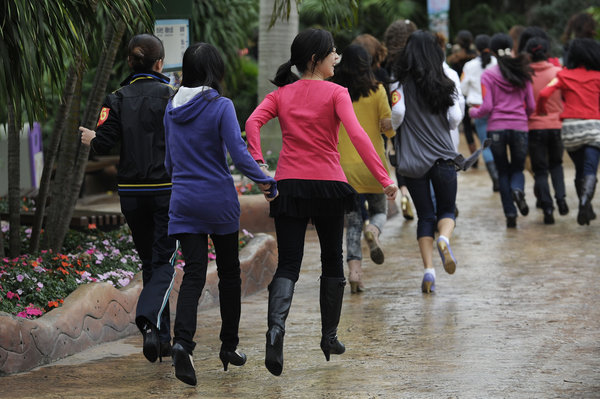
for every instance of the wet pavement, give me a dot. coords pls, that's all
(519, 319)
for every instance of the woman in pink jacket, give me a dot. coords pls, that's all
(311, 183)
(508, 100)
(545, 144)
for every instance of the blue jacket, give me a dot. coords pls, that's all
(198, 135)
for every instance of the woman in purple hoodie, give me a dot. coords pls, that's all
(508, 101)
(200, 129)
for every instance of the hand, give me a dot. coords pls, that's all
(391, 191)
(385, 124)
(269, 199)
(87, 135)
(266, 188)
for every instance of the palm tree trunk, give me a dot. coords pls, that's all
(73, 186)
(51, 152)
(64, 170)
(14, 180)
(273, 50)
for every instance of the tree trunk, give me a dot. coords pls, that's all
(73, 186)
(51, 152)
(273, 50)
(2, 253)
(64, 171)
(14, 181)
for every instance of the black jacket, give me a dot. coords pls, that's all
(134, 115)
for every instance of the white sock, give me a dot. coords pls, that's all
(447, 239)
(430, 270)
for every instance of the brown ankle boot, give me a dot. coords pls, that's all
(355, 276)
(372, 237)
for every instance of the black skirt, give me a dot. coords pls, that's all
(308, 198)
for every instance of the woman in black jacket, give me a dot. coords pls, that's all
(133, 116)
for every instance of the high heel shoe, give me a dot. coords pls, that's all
(236, 358)
(332, 346)
(184, 365)
(274, 351)
(407, 211)
(372, 237)
(355, 276)
(151, 346)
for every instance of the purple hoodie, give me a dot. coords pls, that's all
(507, 106)
(198, 135)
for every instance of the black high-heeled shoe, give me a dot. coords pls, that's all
(274, 351)
(236, 358)
(332, 347)
(184, 365)
(151, 346)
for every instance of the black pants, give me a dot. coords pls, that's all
(148, 219)
(290, 245)
(195, 252)
(546, 153)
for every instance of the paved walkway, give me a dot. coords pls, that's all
(519, 319)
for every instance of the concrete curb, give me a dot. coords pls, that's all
(97, 313)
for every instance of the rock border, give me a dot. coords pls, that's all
(96, 313)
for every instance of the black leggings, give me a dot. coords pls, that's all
(290, 244)
(195, 252)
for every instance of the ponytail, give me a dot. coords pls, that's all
(486, 57)
(482, 43)
(284, 75)
(516, 70)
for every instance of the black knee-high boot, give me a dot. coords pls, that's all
(281, 291)
(330, 298)
(493, 172)
(587, 189)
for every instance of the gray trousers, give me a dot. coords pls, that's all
(377, 212)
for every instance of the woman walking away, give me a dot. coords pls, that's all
(471, 88)
(133, 116)
(311, 182)
(200, 128)
(371, 106)
(426, 110)
(545, 145)
(507, 102)
(579, 85)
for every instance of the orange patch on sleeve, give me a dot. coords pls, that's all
(483, 91)
(395, 97)
(103, 116)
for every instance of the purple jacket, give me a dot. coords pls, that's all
(506, 106)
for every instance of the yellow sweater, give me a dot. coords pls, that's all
(369, 111)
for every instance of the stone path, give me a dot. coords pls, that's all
(519, 319)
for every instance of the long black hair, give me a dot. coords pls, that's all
(537, 48)
(421, 62)
(516, 70)
(203, 66)
(309, 42)
(143, 52)
(584, 52)
(354, 72)
(482, 43)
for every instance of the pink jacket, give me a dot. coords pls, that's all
(544, 72)
(310, 112)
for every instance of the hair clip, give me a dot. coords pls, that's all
(501, 52)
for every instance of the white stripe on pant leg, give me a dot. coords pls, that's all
(168, 293)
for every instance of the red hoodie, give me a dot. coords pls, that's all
(580, 90)
(544, 72)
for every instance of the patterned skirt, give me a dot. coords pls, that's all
(576, 133)
(308, 198)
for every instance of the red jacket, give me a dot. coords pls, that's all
(544, 72)
(580, 90)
